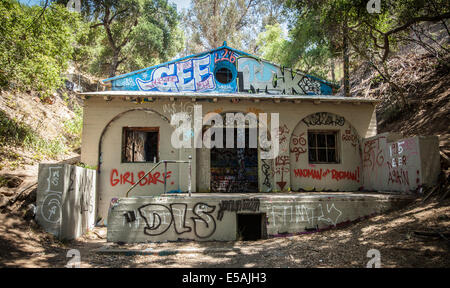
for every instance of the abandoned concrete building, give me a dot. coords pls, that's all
(331, 167)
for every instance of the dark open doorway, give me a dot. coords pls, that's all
(234, 169)
(251, 227)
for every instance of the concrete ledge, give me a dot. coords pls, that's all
(214, 217)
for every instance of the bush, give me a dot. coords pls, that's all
(35, 47)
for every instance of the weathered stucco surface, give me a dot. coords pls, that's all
(349, 120)
(394, 164)
(65, 200)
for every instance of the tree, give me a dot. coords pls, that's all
(137, 33)
(270, 43)
(35, 47)
(209, 23)
(370, 36)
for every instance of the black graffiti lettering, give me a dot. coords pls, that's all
(130, 216)
(204, 219)
(182, 228)
(156, 222)
(158, 225)
(237, 205)
(324, 118)
(265, 167)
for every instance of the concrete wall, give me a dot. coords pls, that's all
(394, 164)
(65, 200)
(346, 175)
(206, 218)
(108, 118)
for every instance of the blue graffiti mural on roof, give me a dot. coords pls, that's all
(190, 75)
(224, 70)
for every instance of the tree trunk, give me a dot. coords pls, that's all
(346, 60)
(114, 64)
(333, 76)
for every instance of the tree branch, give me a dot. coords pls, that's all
(407, 25)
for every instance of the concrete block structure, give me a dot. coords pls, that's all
(326, 144)
(66, 200)
(402, 165)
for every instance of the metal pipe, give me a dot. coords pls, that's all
(190, 175)
(165, 177)
(165, 172)
(146, 174)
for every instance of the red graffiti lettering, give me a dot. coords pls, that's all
(373, 154)
(298, 144)
(318, 174)
(227, 56)
(117, 178)
(397, 176)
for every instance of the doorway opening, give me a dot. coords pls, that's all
(251, 227)
(234, 170)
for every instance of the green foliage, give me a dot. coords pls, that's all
(127, 35)
(208, 23)
(83, 165)
(271, 43)
(318, 29)
(35, 47)
(73, 127)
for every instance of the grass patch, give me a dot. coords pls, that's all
(19, 134)
(73, 128)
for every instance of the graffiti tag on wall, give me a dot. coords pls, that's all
(237, 206)
(323, 118)
(373, 153)
(282, 215)
(337, 175)
(129, 178)
(197, 74)
(160, 218)
(51, 206)
(190, 75)
(261, 76)
(298, 145)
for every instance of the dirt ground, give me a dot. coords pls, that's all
(24, 244)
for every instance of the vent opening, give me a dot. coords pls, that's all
(251, 227)
(224, 75)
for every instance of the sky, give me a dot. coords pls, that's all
(181, 4)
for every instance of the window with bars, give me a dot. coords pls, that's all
(140, 144)
(322, 147)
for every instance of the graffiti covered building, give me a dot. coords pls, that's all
(320, 139)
